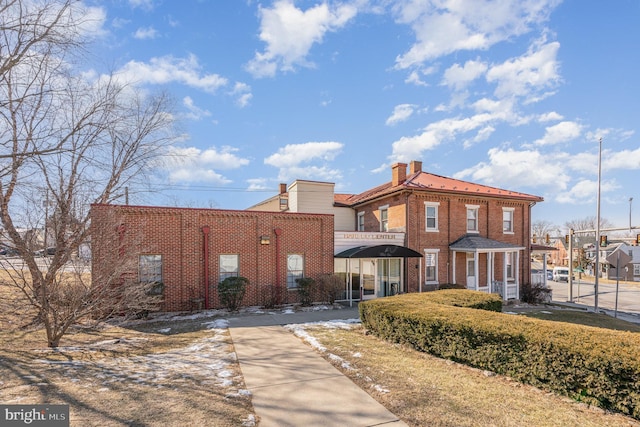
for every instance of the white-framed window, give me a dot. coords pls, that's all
(384, 218)
(295, 269)
(472, 218)
(636, 269)
(507, 220)
(511, 257)
(431, 265)
(431, 216)
(229, 266)
(360, 221)
(150, 268)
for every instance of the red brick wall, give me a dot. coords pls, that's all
(452, 224)
(176, 234)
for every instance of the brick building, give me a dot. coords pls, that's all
(435, 230)
(191, 250)
(416, 232)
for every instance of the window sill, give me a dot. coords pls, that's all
(432, 230)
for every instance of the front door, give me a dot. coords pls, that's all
(471, 271)
(368, 278)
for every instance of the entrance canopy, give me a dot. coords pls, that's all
(474, 243)
(379, 251)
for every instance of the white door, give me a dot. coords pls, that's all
(471, 272)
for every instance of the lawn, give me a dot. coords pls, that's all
(175, 370)
(426, 391)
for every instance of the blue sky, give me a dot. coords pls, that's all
(513, 94)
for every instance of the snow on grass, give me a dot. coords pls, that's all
(207, 359)
(301, 331)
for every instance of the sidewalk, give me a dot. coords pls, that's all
(292, 385)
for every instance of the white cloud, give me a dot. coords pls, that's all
(585, 191)
(297, 161)
(562, 132)
(295, 154)
(527, 74)
(143, 4)
(290, 33)
(625, 159)
(400, 113)
(512, 169)
(459, 77)
(242, 92)
(408, 148)
(446, 26)
(167, 69)
(258, 184)
(195, 113)
(551, 116)
(146, 33)
(191, 164)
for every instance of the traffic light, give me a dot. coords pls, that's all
(603, 240)
(637, 239)
(566, 239)
(547, 240)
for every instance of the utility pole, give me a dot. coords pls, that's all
(570, 278)
(595, 304)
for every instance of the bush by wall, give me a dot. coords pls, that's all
(232, 291)
(593, 365)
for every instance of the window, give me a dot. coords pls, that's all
(384, 218)
(472, 218)
(431, 216)
(431, 266)
(150, 268)
(507, 220)
(511, 256)
(295, 269)
(636, 269)
(284, 203)
(228, 266)
(360, 221)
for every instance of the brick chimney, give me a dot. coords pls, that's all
(415, 166)
(283, 188)
(398, 173)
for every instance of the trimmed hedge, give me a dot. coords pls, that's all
(593, 365)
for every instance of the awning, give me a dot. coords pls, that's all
(379, 251)
(475, 243)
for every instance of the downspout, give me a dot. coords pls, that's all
(278, 232)
(205, 262)
(406, 241)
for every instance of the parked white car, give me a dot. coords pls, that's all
(560, 274)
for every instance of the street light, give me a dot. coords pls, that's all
(595, 290)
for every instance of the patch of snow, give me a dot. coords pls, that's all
(164, 330)
(546, 312)
(345, 365)
(250, 421)
(357, 354)
(380, 389)
(509, 312)
(300, 332)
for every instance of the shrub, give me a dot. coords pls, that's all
(306, 286)
(451, 286)
(330, 287)
(271, 296)
(534, 294)
(231, 292)
(593, 365)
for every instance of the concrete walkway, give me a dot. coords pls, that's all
(292, 385)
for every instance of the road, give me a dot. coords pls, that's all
(583, 294)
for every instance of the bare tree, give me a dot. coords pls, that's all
(65, 141)
(542, 228)
(587, 223)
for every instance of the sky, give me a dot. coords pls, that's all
(511, 94)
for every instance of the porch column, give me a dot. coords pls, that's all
(544, 269)
(504, 274)
(489, 271)
(476, 269)
(517, 274)
(453, 266)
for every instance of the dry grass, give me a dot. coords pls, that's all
(119, 376)
(426, 391)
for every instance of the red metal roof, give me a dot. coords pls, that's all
(428, 182)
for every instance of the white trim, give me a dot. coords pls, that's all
(435, 205)
(360, 216)
(513, 218)
(466, 218)
(435, 252)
